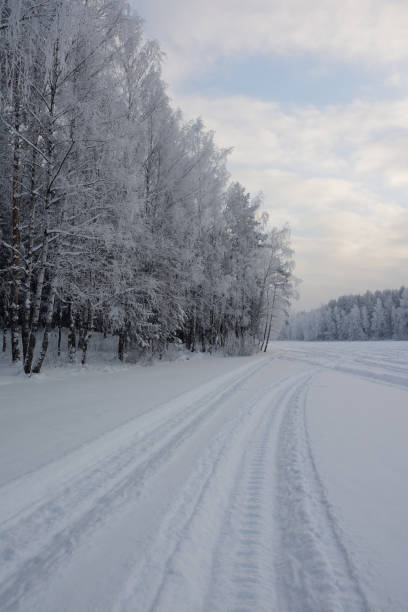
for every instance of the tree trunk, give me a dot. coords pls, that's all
(15, 269)
(5, 325)
(88, 333)
(47, 328)
(202, 335)
(261, 346)
(49, 139)
(71, 334)
(25, 330)
(268, 335)
(59, 329)
(193, 332)
(37, 306)
(121, 346)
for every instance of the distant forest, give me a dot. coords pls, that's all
(118, 216)
(373, 316)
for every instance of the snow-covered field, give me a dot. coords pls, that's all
(273, 482)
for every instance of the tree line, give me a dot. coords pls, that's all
(380, 315)
(116, 215)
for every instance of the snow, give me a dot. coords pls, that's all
(46, 416)
(365, 469)
(276, 481)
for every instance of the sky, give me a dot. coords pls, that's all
(313, 99)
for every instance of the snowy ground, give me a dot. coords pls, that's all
(276, 482)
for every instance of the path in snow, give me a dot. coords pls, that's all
(213, 500)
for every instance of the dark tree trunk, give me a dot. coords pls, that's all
(71, 334)
(47, 328)
(264, 334)
(203, 347)
(59, 329)
(269, 324)
(5, 325)
(268, 335)
(88, 333)
(25, 330)
(49, 139)
(121, 346)
(37, 306)
(15, 269)
(193, 331)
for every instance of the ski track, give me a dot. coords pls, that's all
(195, 519)
(382, 372)
(264, 545)
(40, 534)
(243, 577)
(315, 569)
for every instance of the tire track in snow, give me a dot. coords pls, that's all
(383, 378)
(192, 539)
(36, 538)
(387, 376)
(387, 365)
(243, 574)
(107, 453)
(315, 571)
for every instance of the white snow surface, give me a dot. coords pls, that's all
(272, 482)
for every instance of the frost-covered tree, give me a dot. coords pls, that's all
(378, 325)
(379, 315)
(116, 216)
(355, 328)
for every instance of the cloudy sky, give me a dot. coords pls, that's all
(313, 98)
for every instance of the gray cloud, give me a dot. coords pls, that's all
(327, 172)
(193, 34)
(338, 174)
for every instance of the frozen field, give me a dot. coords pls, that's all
(273, 482)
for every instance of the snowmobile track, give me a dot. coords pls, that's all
(236, 563)
(315, 569)
(40, 534)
